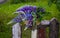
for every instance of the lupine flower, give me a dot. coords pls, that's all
(27, 9)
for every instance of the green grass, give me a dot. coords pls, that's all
(6, 15)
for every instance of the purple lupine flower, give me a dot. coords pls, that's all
(27, 9)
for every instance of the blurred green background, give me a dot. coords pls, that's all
(10, 6)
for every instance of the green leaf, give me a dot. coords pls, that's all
(58, 4)
(51, 1)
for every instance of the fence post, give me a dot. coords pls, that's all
(34, 33)
(16, 30)
(54, 28)
(41, 31)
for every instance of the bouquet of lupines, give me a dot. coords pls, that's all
(29, 14)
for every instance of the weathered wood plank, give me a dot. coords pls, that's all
(54, 28)
(16, 30)
(34, 33)
(41, 33)
(41, 30)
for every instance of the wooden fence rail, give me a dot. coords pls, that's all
(40, 31)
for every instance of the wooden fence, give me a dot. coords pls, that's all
(40, 31)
